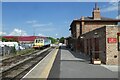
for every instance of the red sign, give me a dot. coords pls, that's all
(112, 40)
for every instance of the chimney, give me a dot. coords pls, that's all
(96, 13)
(82, 18)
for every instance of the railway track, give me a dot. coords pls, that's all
(18, 71)
(6, 63)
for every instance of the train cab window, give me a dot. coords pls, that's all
(41, 41)
(36, 40)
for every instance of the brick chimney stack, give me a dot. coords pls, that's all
(96, 13)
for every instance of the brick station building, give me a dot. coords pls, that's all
(96, 34)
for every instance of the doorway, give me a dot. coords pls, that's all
(96, 53)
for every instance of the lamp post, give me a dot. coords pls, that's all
(81, 37)
(34, 31)
(96, 35)
(82, 43)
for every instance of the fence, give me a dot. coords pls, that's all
(6, 50)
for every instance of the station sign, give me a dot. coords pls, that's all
(112, 40)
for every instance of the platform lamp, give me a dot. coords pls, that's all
(82, 43)
(81, 37)
(96, 35)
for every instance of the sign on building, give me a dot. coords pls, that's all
(112, 40)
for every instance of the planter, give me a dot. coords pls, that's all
(96, 62)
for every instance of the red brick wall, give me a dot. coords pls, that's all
(96, 14)
(107, 51)
(89, 26)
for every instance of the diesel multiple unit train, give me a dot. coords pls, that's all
(41, 43)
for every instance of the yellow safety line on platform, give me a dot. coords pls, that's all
(48, 67)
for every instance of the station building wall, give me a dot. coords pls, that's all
(97, 41)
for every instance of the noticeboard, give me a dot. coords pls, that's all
(112, 40)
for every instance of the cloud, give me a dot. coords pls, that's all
(48, 29)
(113, 0)
(36, 23)
(31, 22)
(56, 34)
(40, 34)
(41, 25)
(18, 32)
(44, 27)
(3, 33)
(113, 6)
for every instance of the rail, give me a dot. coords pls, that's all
(19, 70)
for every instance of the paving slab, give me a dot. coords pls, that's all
(78, 66)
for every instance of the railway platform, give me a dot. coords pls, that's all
(64, 64)
(42, 69)
(77, 65)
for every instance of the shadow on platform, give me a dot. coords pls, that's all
(76, 55)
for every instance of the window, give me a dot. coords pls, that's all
(36, 40)
(41, 41)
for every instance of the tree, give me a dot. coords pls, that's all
(61, 40)
(10, 39)
(57, 38)
(4, 40)
(53, 40)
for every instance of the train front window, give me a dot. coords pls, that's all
(36, 40)
(41, 41)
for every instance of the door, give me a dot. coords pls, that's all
(87, 46)
(96, 48)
